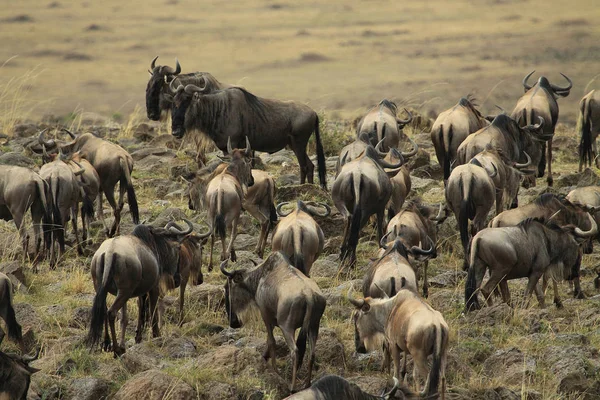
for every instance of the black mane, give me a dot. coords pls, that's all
(546, 199)
(157, 240)
(389, 105)
(543, 221)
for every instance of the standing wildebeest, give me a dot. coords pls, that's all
(405, 323)
(286, 298)
(113, 165)
(539, 101)
(15, 375)
(381, 123)
(234, 114)
(416, 225)
(589, 125)
(352, 151)
(362, 189)
(333, 387)
(7, 312)
(21, 188)
(532, 249)
(470, 194)
(90, 183)
(451, 128)
(132, 266)
(401, 183)
(298, 235)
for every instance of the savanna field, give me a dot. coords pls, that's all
(83, 66)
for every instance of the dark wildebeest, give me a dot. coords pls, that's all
(381, 123)
(236, 114)
(451, 128)
(132, 266)
(532, 249)
(286, 298)
(470, 194)
(589, 127)
(405, 323)
(539, 102)
(333, 387)
(20, 189)
(416, 226)
(113, 165)
(298, 235)
(362, 189)
(401, 183)
(15, 375)
(7, 312)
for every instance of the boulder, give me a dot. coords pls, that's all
(88, 389)
(586, 178)
(155, 385)
(575, 369)
(497, 314)
(448, 278)
(421, 159)
(168, 215)
(80, 318)
(152, 151)
(14, 270)
(206, 296)
(18, 159)
(510, 365)
(144, 132)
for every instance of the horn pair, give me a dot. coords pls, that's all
(554, 87)
(176, 229)
(355, 302)
(590, 233)
(405, 121)
(165, 69)
(320, 204)
(247, 150)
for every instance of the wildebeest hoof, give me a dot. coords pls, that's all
(579, 295)
(119, 351)
(559, 304)
(425, 292)
(232, 256)
(106, 346)
(550, 181)
(138, 339)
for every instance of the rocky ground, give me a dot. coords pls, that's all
(495, 353)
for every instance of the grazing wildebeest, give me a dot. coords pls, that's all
(132, 266)
(333, 387)
(532, 249)
(381, 123)
(405, 323)
(235, 114)
(15, 375)
(589, 127)
(470, 194)
(451, 128)
(588, 195)
(90, 183)
(539, 101)
(298, 235)
(401, 183)
(7, 312)
(362, 189)
(286, 298)
(113, 165)
(416, 226)
(352, 151)
(20, 189)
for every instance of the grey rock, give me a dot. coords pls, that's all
(511, 365)
(88, 389)
(155, 385)
(152, 151)
(448, 278)
(17, 159)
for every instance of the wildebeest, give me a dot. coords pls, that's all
(589, 127)
(352, 151)
(452, 127)
(158, 95)
(132, 266)
(470, 194)
(235, 114)
(416, 226)
(401, 183)
(7, 312)
(15, 375)
(588, 196)
(406, 324)
(113, 165)
(90, 183)
(381, 123)
(532, 249)
(298, 235)
(286, 298)
(539, 101)
(21, 189)
(333, 387)
(362, 189)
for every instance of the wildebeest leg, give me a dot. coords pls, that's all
(499, 201)
(419, 367)
(120, 301)
(121, 204)
(110, 197)
(123, 324)
(380, 227)
(182, 286)
(74, 216)
(310, 170)
(20, 223)
(531, 286)
(490, 285)
(539, 293)
(549, 160)
(595, 150)
(262, 240)
(312, 342)
(36, 217)
(106, 346)
(425, 283)
(153, 298)
(212, 246)
(398, 373)
(557, 300)
(101, 211)
(301, 155)
(344, 247)
(288, 335)
(271, 344)
(505, 292)
(228, 253)
(141, 318)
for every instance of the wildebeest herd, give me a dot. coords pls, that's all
(484, 160)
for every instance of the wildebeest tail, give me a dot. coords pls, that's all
(87, 207)
(436, 367)
(320, 156)
(43, 190)
(585, 144)
(356, 213)
(57, 225)
(446, 138)
(219, 224)
(466, 212)
(272, 210)
(298, 258)
(131, 199)
(302, 335)
(14, 329)
(108, 261)
(471, 301)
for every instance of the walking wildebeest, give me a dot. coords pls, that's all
(405, 323)
(352, 151)
(539, 101)
(470, 194)
(286, 298)
(532, 249)
(362, 189)
(7, 312)
(333, 387)
(132, 266)
(235, 114)
(401, 183)
(452, 127)
(15, 375)
(20, 189)
(381, 123)
(298, 235)
(589, 127)
(90, 183)
(113, 165)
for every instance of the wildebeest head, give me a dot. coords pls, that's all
(398, 246)
(237, 295)
(182, 97)
(555, 91)
(369, 324)
(308, 207)
(15, 375)
(160, 77)
(241, 163)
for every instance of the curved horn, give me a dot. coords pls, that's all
(191, 89)
(229, 149)
(224, 271)
(248, 149)
(385, 295)
(81, 168)
(382, 242)
(536, 126)
(355, 302)
(385, 164)
(42, 141)
(153, 63)
(28, 359)
(493, 174)
(418, 250)
(391, 393)
(565, 89)
(405, 121)
(525, 85)
(377, 148)
(413, 151)
(175, 89)
(527, 164)
(177, 67)
(327, 210)
(585, 234)
(204, 235)
(502, 110)
(278, 209)
(73, 136)
(440, 216)
(189, 229)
